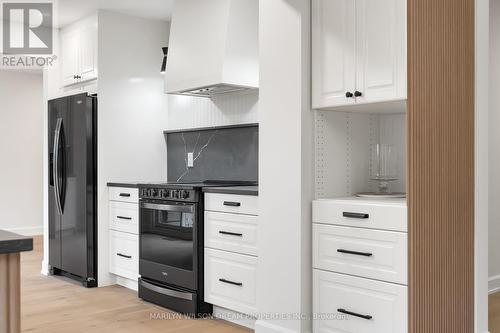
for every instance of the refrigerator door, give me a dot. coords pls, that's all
(57, 109)
(77, 228)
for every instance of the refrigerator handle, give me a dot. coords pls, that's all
(55, 163)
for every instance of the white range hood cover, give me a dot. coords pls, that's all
(213, 47)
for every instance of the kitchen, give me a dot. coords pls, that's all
(258, 172)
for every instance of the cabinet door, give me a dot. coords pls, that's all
(380, 50)
(333, 52)
(70, 50)
(88, 53)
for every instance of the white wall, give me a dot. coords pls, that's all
(286, 165)
(132, 112)
(21, 142)
(494, 153)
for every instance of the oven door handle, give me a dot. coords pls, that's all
(166, 292)
(170, 208)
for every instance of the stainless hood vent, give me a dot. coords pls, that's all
(213, 90)
(213, 47)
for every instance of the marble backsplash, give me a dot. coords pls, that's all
(219, 153)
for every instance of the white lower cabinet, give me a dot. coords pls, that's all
(231, 248)
(124, 235)
(348, 304)
(124, 216)
(123, 254)
(231, 232)
(375, 254)
(230, 280)
(360, 266)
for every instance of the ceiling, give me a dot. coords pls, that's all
(69, 11)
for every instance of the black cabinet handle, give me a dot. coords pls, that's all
(239, 284)
(355, 215)
(124, 218)
(349, 94)
(124, 256)
(358, 93)
(364, 254)
(232, 203)
(125, 195)
(367, 317)
(230, 233)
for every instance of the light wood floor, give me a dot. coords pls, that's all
(59, 305)
(494, 313)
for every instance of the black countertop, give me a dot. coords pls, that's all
(12, 243)
(124, 184)
(241, 190)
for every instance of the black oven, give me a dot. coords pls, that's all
(169, 242)
(171, 249)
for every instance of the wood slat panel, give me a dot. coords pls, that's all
(441, 165)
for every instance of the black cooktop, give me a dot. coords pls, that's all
(200, 184)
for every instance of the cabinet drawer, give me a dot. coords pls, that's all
(124, 194)
(232, 203)
(231, 232)
(374, 254)
(124, 254)
(373, 214)
(124, 216)
(381, 307)
(230, 280)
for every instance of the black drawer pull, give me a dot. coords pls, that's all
(124, 218)
(125, 195)
(367, 317)
(364, 254)
(230, 233)
(232, 204)
(124, 256)
(239, 284)
(355, 215)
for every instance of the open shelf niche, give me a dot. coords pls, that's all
(343, 148)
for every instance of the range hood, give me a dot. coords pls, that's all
(213, 47)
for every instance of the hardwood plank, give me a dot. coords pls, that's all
(60, 305)
(441, 165)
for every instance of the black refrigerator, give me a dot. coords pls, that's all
(72, 155)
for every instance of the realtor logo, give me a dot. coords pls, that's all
(27, 28)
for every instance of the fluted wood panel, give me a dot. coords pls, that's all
(441, 165)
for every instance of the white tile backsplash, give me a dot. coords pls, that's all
(227, 109)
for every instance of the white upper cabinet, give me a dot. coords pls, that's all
(359, 52)
(69, 54)
(334, 65)
(79, 52)
(88, 53)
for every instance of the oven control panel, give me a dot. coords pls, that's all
(167, 194)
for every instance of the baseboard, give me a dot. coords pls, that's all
(27, 231)
(262, 326)
(127, 283)
(494, 284)
(45, 268)
(234, 317)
